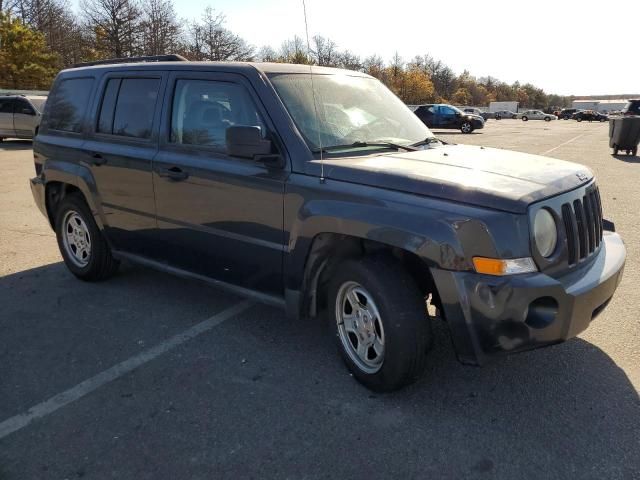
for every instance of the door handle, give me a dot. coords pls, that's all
(97, 159)
(173, 173)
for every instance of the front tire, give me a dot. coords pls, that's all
(466, 127)
(84, 249)
(547, 119)
(380, 321)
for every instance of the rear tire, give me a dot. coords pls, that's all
(525, 119)
(634, 152)
(380, 321)
(84, 249)
(615, 150)
(579, 119)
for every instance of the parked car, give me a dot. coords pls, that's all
(536, 115)
(20, 115)
(632, 108)
(590, 116)
(477, 111)
(567, 113)
(231, 173)
(448, 116)
(505, 114)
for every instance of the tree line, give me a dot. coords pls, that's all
(40, 37)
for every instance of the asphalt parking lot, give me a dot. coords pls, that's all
(147, 376)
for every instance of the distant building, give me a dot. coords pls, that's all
(602, 106)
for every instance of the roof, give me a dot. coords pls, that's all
(620, 100)
(14, 95)
(237, 67)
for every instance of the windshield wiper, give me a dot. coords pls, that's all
(428, 141)
(397, 146)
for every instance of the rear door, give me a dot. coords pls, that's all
(120, 147)
(6, 117)
(426, 113)
(25, 118)
(218, 216)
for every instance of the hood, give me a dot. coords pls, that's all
(487, 177)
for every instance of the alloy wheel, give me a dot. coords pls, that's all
(76, 238)
(360, 327)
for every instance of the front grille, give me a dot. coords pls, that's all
(582, 220)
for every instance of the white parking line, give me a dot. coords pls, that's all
(58, 401)
(563, 144)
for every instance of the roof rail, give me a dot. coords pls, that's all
(151, 58)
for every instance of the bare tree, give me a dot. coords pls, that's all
(325, 51)
(160, 30)
(115, 26)
(294, 50)
(350, 61)
(210, 40)
(55, 20)
(267, 54)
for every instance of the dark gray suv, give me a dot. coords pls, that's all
(327, 196)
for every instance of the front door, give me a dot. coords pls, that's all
(218, 216)
(447, 117)
(6, 117)
(120, 147)
(25, 118)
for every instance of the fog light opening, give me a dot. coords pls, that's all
(542, 312)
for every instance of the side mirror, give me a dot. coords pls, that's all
(246, 142)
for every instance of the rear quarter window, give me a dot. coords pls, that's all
(67, 105)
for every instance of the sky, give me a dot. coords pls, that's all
(586, 47)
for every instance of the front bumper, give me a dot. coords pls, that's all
(490, 315)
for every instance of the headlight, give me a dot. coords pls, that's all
(545, 232)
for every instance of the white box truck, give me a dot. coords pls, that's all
(503, 106)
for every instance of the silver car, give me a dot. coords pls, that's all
(536, 115)
(20, 115)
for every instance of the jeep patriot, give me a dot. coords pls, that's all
(318, 190)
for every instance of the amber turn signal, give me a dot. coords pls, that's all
(498, 266)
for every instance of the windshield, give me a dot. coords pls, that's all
(38, 103)
(351, 110)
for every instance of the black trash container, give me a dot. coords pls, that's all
(624, 134)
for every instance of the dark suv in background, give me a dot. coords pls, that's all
(567, 113)
(590, 116)
(324, 195)
(447, 116)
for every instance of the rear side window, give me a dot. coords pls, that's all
(66, 108)
(6, 105)
(203, 110)
(128, 106)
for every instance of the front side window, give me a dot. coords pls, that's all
(448, 111)
(204, 109)
(66, 108)
(348, 109)
(23, 107)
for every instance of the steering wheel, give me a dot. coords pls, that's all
(366, 129)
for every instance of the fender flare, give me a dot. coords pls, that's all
(79, 176)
